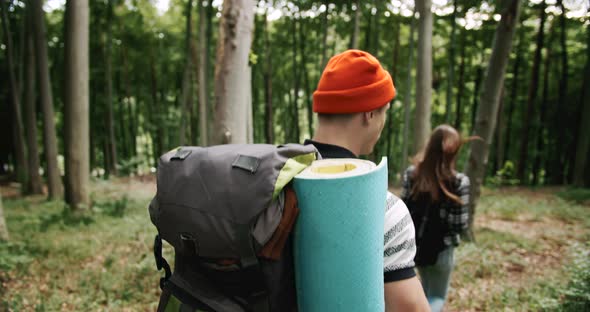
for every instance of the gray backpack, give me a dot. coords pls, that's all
(218, 206)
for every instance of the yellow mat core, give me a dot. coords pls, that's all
(334, 168)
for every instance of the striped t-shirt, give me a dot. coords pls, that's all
(399, 240)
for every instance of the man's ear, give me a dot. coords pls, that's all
(367, 116)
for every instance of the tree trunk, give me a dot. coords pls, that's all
(297, 78)
(194, 122)
(306, 87)
(354, 38)
(513, 96)
(3, 229)
(34, 183)
(249, 111)
(202, 77)
(110, 123)
(17, 120)
(407, 95)
(158, 140)
(390, 128)
(499, 139)
(542, 112)
(210, 71)
(563, 86)
(128, 106)
(532, 96)
(489, 100)
(583, 144)
(451, 68)
(76, 105)
(564, 175)
(54, 183)
(120, 114)
(474, 106)
(423, 76)
(268, 109)
(232, 72)
(186, 103)
(461, 86)
(377, 28)
(368, 32)
(324, 57)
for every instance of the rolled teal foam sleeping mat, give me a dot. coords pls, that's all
(338, 245)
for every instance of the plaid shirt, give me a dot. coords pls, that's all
(455, 216)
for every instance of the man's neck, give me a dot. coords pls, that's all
(339, 137)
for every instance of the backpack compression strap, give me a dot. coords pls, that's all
(161, 262)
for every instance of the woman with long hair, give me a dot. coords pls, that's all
(438, 198)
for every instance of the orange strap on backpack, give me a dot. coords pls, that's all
(274, 247)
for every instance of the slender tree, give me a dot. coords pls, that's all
(128, 106)
(325, 28)
(202, 77)
(296, 79)
(424, 75)
(408, 94)
(268, 107)
(18, 129)
(232, 72)
(583, 146)
(542, 120)
(476, 89)
(489, 100)
(499, 138)
(451, 68)
(158, 136)
(3, 229)
(559, 162)
(111, 141)
(532, 96)
(461, 85)
(186, 81)
(354, 37)
(76, 105)
(570, 156)
(305, 74)
(390, 119)
(513, 95)
(34, 183)
(54, 183)
(369, 30)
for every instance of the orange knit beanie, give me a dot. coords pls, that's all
(353, 82)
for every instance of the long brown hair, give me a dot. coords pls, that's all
(435, 165)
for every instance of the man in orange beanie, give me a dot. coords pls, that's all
(352, 100)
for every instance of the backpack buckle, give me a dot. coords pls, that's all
(161, 263)
(181, 154)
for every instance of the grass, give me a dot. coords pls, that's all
(530, 253)
(101, 260)
(528, 256)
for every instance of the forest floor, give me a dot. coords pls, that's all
(531, 252)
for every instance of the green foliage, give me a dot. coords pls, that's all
(526, 254)
(113, 208)
(577, 195)
(16, 255)
(64, 218)
(505, 176)
(128, 166)
(576, 296)
(533, 206)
